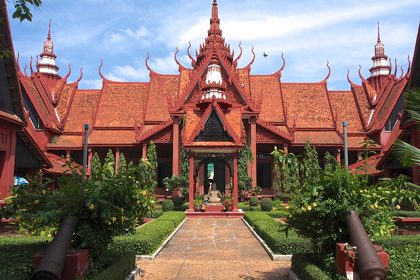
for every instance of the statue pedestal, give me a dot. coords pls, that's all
(214, 207)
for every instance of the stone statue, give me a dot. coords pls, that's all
(214, 195)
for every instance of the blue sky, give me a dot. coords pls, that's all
(308, 32)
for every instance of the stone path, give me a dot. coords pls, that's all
(218, 248)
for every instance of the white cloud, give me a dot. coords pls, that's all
(140, 33)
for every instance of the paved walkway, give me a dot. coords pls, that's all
(218, 248)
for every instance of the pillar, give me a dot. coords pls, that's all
(175, 148)
(253, 147)
(7, 158)
(117, 160)
(68, 155)
(144, 151)
(191, 179)
(286, 148)
(235, 182)
(89, 166)
(338, 157)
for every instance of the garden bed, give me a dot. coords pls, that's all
(273, 233)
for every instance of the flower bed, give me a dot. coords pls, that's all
(272, 232)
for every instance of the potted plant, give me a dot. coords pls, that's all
(198, 203)
(228, 203)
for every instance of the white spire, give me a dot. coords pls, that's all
(47, 63)
(380, 59)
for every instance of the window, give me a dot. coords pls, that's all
(33, 114)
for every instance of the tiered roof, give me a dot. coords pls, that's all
(128, 113)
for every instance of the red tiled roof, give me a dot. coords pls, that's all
(362, 103)
(163, 90)
(67, 141)
(368, 166)
(59, 165)
(243, 75)
(344, 106)
(307, 104)
(82, 109)
(112, 137)
(266, 89)
(63, 104)
(121, 104)
(317, 137)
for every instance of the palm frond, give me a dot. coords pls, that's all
(407, 154)
(413, 104)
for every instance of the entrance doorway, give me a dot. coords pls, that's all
(215, 172)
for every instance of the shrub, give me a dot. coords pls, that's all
(266, 204)
(106, 204)
(275, 236)
(413, 214)
(167, 205)
(178, 201)
(304, 269)
(254, 201)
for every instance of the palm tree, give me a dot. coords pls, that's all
(409, 155)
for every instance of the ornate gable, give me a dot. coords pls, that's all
(213, 130)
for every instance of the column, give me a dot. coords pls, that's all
(286, 148)
(235, 182)
(144, 151)
(175, 147)
(90, 155)
(191, 179)
(253, 148)
(68, 155)
(117, 160)
(338, 157)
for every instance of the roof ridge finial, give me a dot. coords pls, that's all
(49, 31)
(379, 34)
(214, 20)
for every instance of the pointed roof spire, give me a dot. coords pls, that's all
(379, 35)
(215, 21)
(47, 64)
(49, 31)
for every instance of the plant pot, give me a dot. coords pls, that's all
(75, 266)
(198, 208)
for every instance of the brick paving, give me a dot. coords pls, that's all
(213, 248)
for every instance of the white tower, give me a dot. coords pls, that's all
(380, 60)
(47, 63)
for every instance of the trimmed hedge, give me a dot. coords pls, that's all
(168, 205)
(16, 254)
(404, 253)
(411, 214)
(254, 201)
(178, 201)
(272, 232)
(305, 269)
(118, 270)
(277, 214)
(266, 204)
(150, 236)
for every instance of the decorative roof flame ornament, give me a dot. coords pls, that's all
(47, 64)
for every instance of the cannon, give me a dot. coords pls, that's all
(369, 265)
(52, 262)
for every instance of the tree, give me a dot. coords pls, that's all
(23, 10)
(152, 158)
(409, 155)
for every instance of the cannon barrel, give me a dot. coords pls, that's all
(52, 262)
(368, 262)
